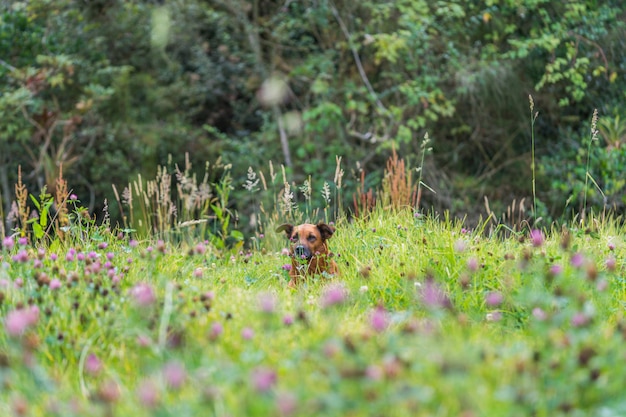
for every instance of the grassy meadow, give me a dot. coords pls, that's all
(427, 318)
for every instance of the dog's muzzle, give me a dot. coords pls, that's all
(302, 252)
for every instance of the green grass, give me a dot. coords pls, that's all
(436, 321)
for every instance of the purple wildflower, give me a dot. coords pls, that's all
(143, 294)
(472, 264)
(267, 302)
(433, 296)
(263, 379)
(55, 284)
(247, 333)
(174, 374)
(17, 321)
(579, 319)
(148, 394)
(8, 243)
(555, 270)
(577, 260)
(93, 365)
(288, 320)
(21, 256)
(537, 238)
(460, 246)
(379, 319)
(610, 263)
(286, 403)
(333, 294)
(216, 330)
(197, 273)
(494, 298)
(539, 314)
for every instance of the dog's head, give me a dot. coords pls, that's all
(307, 240)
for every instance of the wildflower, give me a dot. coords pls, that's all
(267, 302)
(23, 241)
(133, 243)
(54, 257)
(333, 295)
(197, 273)
(460, 246)
(539, 314)
(263, 379)
(537, 238)
(433, 296)
(374, 372)
(378, 319)
(148, 394)
(8, 243)
(93, 365)
(284, 252)
(472, 264)
(494, 298)
(579, 319)
(102, 245)
(110, 255)
(17, 321)
(363, 289)
(610, 263)
(143, 294)
(555, 270)
(287, 267)
(200, 249)
(577, 260)
(611, 245)
(55, 284)
(216, 330)
(143, 340)
(247, 333)
(21, 256)
(286, 403)
(464, 231)
(288, 320)
(494, 316)
(174, 374)
(73, 197)
(109, 392)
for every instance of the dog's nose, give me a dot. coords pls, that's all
(301, 251)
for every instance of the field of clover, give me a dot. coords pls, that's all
(427, 318)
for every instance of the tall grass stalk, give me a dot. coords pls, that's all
(425, 148)
(533, 117)
(592, 138)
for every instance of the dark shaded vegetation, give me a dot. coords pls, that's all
(108, 89)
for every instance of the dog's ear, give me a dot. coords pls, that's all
(287, 228)
(326, 231)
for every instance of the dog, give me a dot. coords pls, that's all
(309, 250)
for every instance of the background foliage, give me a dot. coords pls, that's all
(109, 88)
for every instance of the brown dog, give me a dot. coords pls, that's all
(309, 250)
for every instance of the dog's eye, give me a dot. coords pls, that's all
(312, 238)
(294, 238)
